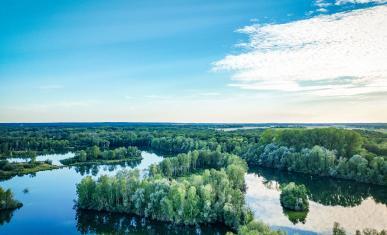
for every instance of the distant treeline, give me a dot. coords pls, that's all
(351, 154)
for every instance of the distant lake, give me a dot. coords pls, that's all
(49, 203)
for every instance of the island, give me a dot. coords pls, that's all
(7, 202)
(294, 197)
(10, 169)
(93, 155)
(199, 187)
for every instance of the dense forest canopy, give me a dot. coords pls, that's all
(201, 180)
(337, 152)
(345, 142)
(194, 188)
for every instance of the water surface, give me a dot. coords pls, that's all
(49, 203)
(54, 158)
(353, 205)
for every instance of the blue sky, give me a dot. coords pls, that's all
(193, 61)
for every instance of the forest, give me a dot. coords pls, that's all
(201, 179)
(358, 155)
(194, 188)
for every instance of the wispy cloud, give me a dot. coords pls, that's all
(342, 2)
(324, 6)
(280, 57)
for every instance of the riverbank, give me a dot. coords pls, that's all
(22, 168)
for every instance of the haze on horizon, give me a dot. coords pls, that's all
(193, 61)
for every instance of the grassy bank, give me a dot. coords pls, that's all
(9, 170)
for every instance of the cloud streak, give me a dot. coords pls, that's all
(342, 2)
(280, 57)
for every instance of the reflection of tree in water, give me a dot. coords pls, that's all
(107, 223)
(8, 177)
(296, 216)
(325, 190)
(6, 216)
(93, 169)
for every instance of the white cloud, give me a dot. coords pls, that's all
(342, 2)
(281, 56)
(322, 3)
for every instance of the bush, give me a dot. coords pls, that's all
(7, 201)
(294, 197)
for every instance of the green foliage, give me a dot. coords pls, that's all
(204, 183)
(375, 142)
(294, 197)
(257, 228)
(93, 154)
(337, 230)
(318, 151)
(345, 142)
(296, 216)
(7, 202)
(321, 161)
(211, 196)
(10, 169)
(187, 163)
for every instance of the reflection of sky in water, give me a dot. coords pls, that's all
(49, 204)
(55, 158)
(266, 206)
(148, 158)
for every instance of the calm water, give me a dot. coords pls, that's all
(353, 205)
(55, 158)
(49, 204)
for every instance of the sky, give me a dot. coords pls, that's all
(193, 61)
